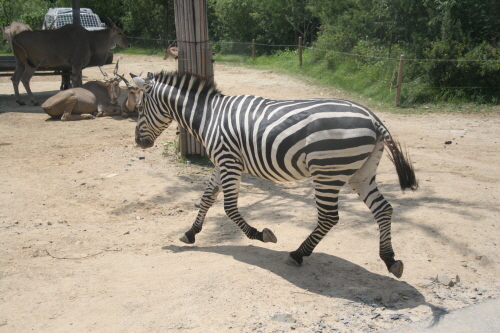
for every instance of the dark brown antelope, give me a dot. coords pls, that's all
(71, 47)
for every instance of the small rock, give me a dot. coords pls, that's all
(49, 223)
(137, 217)
(142, 157)
(396, 316)
(37, 224)
(127, 233)
(283, 318)
(448, 143)
(447, 280)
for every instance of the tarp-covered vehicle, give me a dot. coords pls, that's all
(60, 16)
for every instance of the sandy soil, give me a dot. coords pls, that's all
(89, 227)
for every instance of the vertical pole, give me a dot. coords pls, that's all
(76, 12)
(195, 54)
(400, 79)
(182, 143)
(165, 26)
(253, 49)
(300, 51)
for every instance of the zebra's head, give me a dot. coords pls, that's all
(151, 120)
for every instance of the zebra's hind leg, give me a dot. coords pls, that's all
(363, 182)
(326, 193)
(207, 200)
(230, 179)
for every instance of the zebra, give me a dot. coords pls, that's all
(334, 141)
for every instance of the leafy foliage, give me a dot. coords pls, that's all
(356, 38)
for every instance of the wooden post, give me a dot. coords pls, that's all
(182, 142)
(300, 51)
(195, 54)
(400, 79)
(253, 49)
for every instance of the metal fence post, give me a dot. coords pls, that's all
(253, 49)
(400, 79)
(300, 51)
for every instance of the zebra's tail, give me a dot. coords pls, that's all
(401, 160)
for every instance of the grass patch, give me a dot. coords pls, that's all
(5, 49)
(170, 150)
(370, 81)
(140, 51)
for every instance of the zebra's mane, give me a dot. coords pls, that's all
(198, 81)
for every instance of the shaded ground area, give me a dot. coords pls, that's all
(89, 227)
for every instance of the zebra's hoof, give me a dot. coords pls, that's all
(268, 236)
(292, 262)
(187, 239)
(397, 269)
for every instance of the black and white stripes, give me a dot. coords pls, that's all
(332, 141)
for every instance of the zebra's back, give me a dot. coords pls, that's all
(285, 140)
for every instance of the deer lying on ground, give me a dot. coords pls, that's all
(130, 106)
(171, 51)
(94, 97)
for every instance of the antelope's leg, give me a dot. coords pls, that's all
(25, 79)
(70, 106)
(16, 78)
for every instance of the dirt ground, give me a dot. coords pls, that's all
(89, 227)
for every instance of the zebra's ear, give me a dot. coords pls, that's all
(149, 77)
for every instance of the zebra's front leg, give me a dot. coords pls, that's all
(207, 200)
(230, 180)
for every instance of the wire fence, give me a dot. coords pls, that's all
(384, 70)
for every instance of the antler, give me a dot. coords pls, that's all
(125, 80)
(116, 68)
(106, 78)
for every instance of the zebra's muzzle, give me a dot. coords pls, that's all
(141, 140)
(144, 143)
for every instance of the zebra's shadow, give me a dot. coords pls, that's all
(326, 275)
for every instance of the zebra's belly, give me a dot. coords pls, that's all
(333, 164)
(279, 171)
